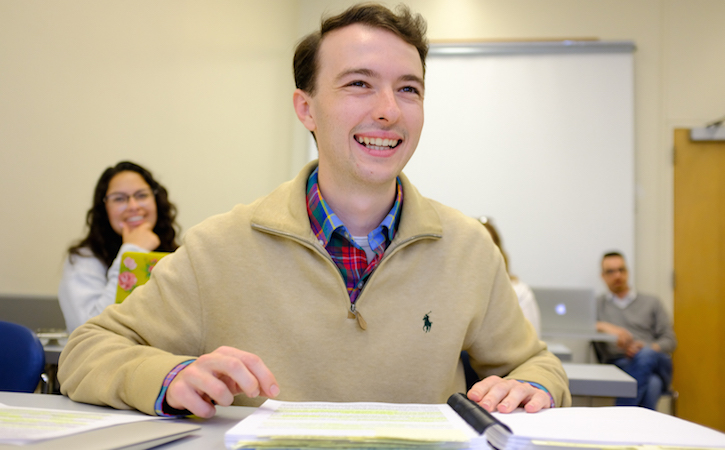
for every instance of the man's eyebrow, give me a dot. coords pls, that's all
(360, 71)
(371, 73)
(413, 78)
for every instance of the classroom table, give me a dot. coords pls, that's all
(559, 350)
(594, 336)
(53, 348)
(210, 436)
(589, 380)
(599, 380)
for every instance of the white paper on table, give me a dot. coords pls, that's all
(354, 422)
(614, 425)
(21, 425)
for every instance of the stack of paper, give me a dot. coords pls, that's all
(610, 427)
(283, 425)
(41, 428)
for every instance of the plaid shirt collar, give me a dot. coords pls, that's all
(324, 221)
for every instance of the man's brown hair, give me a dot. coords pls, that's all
(411, 28)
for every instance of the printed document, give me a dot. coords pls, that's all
(20, 425)
(279, 424)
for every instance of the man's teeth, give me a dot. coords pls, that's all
(378, 142)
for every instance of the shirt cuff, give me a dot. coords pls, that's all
(161, 408)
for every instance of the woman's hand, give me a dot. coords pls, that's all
(142, 236)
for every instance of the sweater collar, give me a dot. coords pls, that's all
(284, 211)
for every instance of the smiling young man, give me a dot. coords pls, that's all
(344, 284)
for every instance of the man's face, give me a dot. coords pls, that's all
(614, 273)
(367, 110)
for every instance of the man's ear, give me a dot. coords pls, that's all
(303, 109)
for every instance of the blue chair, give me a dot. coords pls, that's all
(22, 358)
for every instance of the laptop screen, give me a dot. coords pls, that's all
(567, 310)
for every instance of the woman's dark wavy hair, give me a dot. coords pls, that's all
(102, 240)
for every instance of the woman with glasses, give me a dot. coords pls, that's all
(131, 212)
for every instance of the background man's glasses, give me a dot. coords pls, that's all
(119, 201)
(613, 271)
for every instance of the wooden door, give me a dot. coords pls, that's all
(699, 305)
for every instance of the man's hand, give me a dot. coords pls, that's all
(142, 236)
(217, 377)
(633, 348)
(624, 337)
(496, 394)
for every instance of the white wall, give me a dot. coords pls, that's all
(200, 92)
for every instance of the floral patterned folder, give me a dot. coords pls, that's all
(135, 270)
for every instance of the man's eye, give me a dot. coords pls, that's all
(411, 89)
(357, 83)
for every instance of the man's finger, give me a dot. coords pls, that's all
(540, 400)
(496, 394)
(182, 395)
(481, 388)
(265, 380)
(489, 392)
(216, 373)
(519, 393)
(245, 369)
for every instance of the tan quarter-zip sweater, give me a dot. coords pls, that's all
(256, 278)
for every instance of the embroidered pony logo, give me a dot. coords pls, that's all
(426, 322)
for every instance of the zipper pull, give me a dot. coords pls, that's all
(360, 321)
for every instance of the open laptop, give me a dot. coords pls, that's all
(37, 312)
(567, 311)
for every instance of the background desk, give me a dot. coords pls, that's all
(594, 336)
(579, 344)
(598, 384)
(561, 351)
(52, 348)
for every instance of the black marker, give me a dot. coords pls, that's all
(481, 420)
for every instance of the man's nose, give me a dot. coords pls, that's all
(386, 107)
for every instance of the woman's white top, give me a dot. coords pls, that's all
(528, 304)
(86, 287)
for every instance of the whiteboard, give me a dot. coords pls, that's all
(539, 137)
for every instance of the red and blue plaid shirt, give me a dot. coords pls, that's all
(349, 257)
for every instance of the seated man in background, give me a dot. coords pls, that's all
(644, 334)
(344, 284)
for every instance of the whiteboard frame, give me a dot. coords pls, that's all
(575, 262)
(573, 237)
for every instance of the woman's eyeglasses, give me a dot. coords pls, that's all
(119, 200)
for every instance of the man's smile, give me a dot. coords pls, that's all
(378, 143)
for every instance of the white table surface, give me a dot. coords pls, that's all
(584, 379)
(210, 436)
